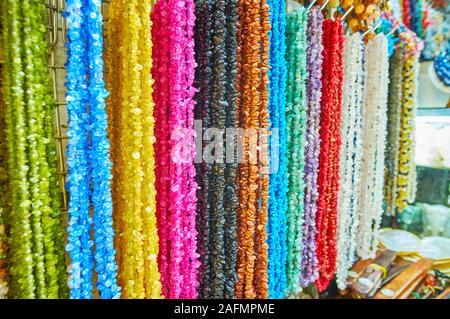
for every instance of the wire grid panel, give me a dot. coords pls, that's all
(56, 37)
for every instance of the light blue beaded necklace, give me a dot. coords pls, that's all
(88, 156)
(278, 186)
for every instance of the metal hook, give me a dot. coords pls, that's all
(347, 12)
(392, 31)
(372, 29)
(324, 5)
(53, 7)
(310, 5)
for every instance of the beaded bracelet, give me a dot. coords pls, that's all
(278, 186)
(296, 141)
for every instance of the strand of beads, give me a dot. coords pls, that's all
(215, 76)
(80, 224)
(4, 190)
(216, 178)
(261, 279)
(314, 91)
(350, 157)
(36, 241)
(130, 110)
(393, 133)
(231, 200)
(373, 141)
(100, 164)
(190, 203)
(242, 173)
(406, 167)
(278, 185)
(88, 156)
(328, 177)
(406, 14)
(174, 105)
(202, 97)
(253, 173)
(296, 109)
(161, 60)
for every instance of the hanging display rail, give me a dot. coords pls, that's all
(56, 37)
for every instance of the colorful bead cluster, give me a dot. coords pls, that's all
(36, 252)
(131, 121)
(175, 213)
(400, 176)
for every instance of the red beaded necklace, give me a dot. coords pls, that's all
(328, 177)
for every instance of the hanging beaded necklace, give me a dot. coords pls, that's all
(214, 74)
(174, 106)
(253, 172)
(296, 108)
(350, 157)
(314, 91)
(326, 217)
(88, 143)
(130, 110)
(36, 233)
(278, 186)
(394, 128)
(374, 137)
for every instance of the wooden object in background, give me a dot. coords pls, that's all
(405, 283)
(369, 282)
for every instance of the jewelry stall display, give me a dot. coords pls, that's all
(241, 149)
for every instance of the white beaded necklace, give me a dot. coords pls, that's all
(373, 141)
(350, 156)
